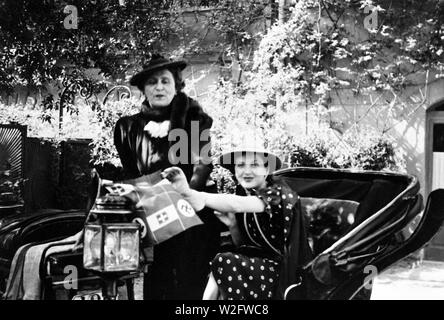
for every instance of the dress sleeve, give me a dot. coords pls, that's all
(272, 198)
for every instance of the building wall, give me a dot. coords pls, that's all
(408, 130)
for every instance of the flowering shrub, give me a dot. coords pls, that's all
(363, 149)
(223, 179)
(45, 124)
(92, 121)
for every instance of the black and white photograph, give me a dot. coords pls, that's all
(239, 152)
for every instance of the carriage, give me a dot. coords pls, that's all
(361, 223)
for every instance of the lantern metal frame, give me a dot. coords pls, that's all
(109, 218)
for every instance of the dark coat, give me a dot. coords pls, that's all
(181, 264)
(142, 154)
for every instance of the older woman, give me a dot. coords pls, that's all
(156, 138)
(259, 217)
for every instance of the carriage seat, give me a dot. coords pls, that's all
(323, 194)
(329, 219)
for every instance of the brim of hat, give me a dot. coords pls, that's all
(226, 160)
(142, 75)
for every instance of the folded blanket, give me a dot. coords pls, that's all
(24, 281)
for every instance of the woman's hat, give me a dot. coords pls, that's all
(156, 63)
(273, 162)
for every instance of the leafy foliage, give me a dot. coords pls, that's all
(44, 124)
(38, 48)
(363, 150)
(299, 65)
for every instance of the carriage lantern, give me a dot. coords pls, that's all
(111, 239)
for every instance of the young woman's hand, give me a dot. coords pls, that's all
(227, 218)
(178, 179)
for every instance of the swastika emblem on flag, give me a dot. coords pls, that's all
(185, 208)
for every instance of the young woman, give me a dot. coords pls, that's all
(259, 217)
(142, 140)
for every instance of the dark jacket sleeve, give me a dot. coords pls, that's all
(202, 162)
(122, 144)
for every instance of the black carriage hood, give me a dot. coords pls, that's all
(44, 225)
(387, 204)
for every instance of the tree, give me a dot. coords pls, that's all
(41, 39)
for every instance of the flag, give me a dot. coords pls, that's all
(162, 210)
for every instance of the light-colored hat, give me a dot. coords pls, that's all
(226, 160)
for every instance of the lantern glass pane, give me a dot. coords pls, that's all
(121, 249)
(129, 249)
(92, 247)
(111, 249)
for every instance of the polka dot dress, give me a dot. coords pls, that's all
(244, 275)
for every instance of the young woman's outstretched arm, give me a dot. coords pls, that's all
(219, 202)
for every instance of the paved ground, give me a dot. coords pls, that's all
(424, 281)
(403, 281)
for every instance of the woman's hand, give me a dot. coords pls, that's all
(178, 179)
(227, 218)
